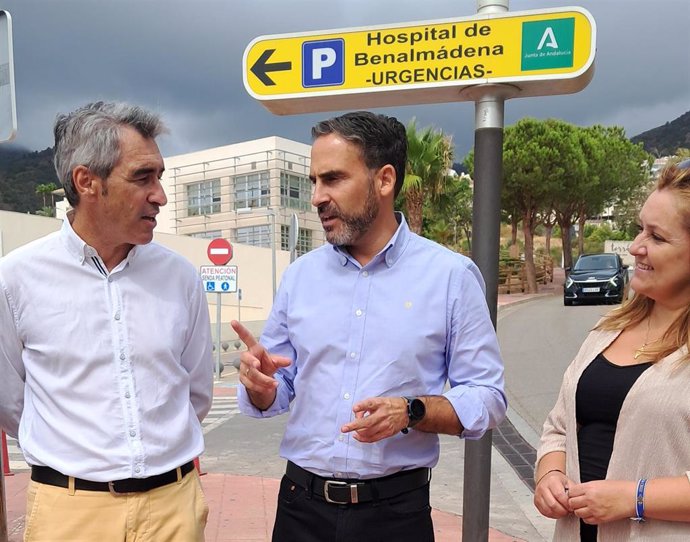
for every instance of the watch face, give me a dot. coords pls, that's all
(416, 409)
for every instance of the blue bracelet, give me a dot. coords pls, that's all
(639, 500)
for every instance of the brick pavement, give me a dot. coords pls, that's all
(241, 509)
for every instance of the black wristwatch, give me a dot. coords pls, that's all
(415, 412)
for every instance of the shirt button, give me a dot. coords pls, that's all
(137, 469)
(122, 357)
(132, 433)
(110, 279)
(346, 396)
(341, 438)
(365, 273)
(117, 316)
(353, 355)
(338, 474)
(127, 396)
(358, 312)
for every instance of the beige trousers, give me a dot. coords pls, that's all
(173, 513)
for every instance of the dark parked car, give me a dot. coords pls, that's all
(596, 277)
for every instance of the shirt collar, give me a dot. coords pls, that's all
(80, 250)
(390, 253)
(74, 244)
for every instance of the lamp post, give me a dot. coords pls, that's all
(272, 213)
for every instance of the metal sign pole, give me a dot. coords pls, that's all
(485, 246)
(486, 226)
(239, 305)
(218, 317)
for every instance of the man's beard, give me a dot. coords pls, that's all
(352, 226)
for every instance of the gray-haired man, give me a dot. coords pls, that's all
(105, 347)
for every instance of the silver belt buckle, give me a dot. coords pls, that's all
(354, 497)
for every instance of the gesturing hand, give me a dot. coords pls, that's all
(377, 418)
(257, 368)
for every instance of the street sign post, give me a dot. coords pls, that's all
(489, 58)
(540, 52)
(220, 279)
(8, 106)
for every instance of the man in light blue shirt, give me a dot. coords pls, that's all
(363, 336)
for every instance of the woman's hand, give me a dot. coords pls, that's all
(602, 501)
(551, 495)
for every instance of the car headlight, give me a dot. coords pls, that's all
(613, 281)
(568, 282)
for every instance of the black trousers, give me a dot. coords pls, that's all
(303, 517)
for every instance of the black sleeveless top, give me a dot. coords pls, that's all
(601, 391)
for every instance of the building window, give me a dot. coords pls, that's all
(252, 190)
(257, 236)
(211, 234)
(295, 191)
(304, 241)
(203, 198)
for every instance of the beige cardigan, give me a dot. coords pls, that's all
(652, 438)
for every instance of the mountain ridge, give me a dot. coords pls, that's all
(21, 170)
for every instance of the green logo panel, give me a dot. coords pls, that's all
(548, 44)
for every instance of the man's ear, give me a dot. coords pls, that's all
(387, 178)
(85, 182)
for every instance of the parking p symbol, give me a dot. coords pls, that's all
(322, 58)
(323, 63)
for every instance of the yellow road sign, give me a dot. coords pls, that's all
(540, 52)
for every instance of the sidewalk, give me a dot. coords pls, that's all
(242, 508)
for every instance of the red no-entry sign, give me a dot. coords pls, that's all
(219, 251)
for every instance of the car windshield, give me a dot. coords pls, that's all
(601, 261)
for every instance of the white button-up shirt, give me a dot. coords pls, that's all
(104, 375)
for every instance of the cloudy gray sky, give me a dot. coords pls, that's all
(184, 60)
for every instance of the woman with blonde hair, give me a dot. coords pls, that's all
(614, 459)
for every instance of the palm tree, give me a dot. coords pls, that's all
(44, 190)
(429, 157)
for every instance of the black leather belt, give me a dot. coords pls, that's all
(51, 477)
(358, 491)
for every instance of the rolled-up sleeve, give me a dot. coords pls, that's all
(475, 367)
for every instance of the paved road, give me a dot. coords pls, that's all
(538, 341)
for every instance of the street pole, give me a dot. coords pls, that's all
(273, 250)
(218, 328)
(486, 224)
(239, 305)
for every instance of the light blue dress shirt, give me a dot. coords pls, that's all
(409, 321)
